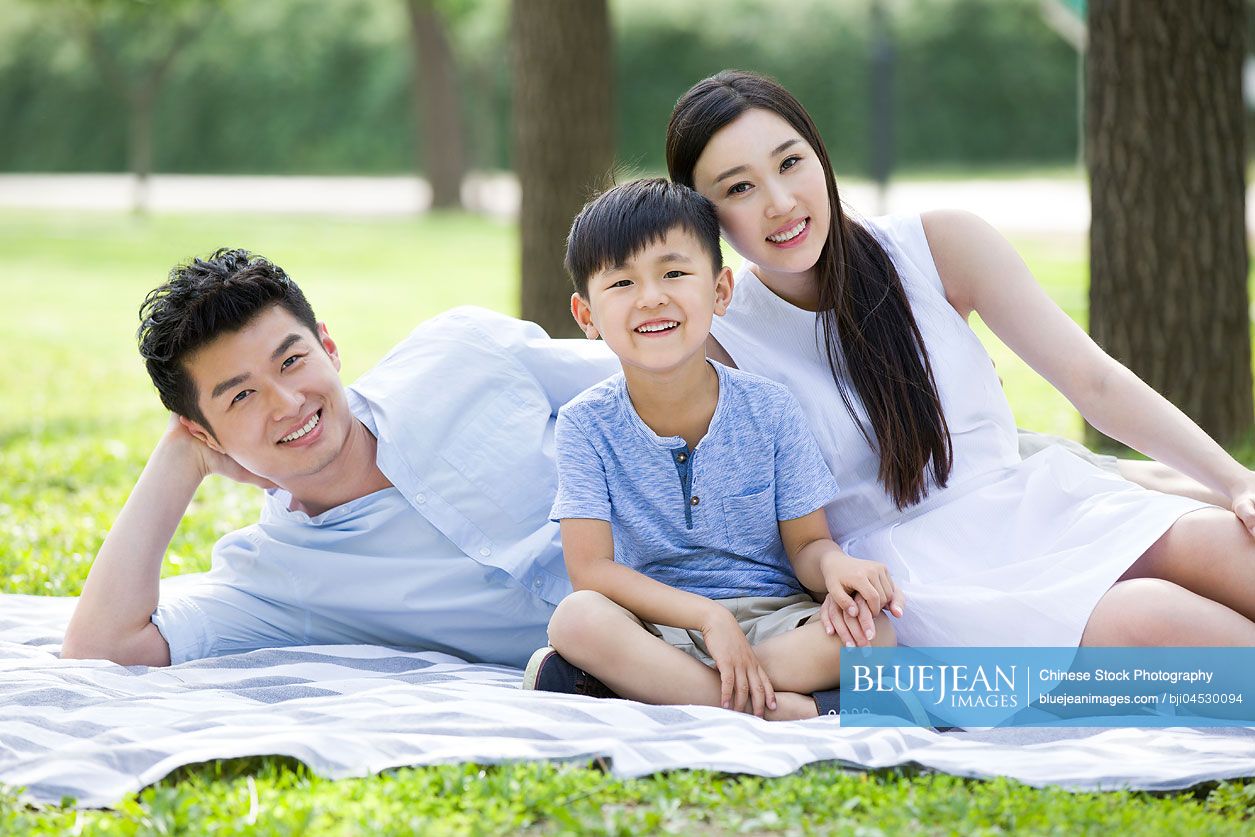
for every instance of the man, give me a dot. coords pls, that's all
(409, 509)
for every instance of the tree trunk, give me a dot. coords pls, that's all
(1166, 156)
(139, 146)
(437, 105)
(563, 138)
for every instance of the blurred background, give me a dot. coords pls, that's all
(399, 157)
(328, 87)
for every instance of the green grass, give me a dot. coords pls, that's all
(79, 418)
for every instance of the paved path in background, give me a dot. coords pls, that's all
(1037, 205)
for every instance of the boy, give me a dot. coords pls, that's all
(690, 494)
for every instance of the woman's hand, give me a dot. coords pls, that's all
(853, 626)
(745, 685)
(1244, 503)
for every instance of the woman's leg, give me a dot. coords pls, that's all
(1194, 586)
(610, 643)
(1208, 552)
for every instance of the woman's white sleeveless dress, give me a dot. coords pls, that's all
(1010, 552)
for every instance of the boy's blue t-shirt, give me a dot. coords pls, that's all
(702, 520)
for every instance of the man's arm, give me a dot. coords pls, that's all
(113, 617)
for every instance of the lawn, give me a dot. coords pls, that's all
(79, 418)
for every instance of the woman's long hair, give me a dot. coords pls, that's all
(870, 334)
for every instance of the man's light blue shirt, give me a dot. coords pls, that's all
(704, 520)
(458, 556)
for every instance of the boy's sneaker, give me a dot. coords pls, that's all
(547, 672)
(828, 702)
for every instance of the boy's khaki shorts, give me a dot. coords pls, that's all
(760, 618)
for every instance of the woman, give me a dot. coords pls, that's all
(866, 322)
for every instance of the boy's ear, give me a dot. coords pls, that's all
(723, 290)
(583, 315)
(200, 432)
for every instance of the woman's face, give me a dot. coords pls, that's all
(769, 188)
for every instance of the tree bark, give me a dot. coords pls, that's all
(139, 90)
(563, 138)
(437, 106)
(1166, 157)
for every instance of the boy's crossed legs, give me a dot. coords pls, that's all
(608, 641)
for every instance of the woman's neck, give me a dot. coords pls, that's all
(678, 402)
(800, 290)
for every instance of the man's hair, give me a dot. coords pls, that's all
(621, 222)
(200, 301)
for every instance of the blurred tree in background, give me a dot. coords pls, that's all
(329, 86)
(438, 104)
(132, 45)
(564, 138)
(1167, 164)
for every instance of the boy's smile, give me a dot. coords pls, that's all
(654, 311)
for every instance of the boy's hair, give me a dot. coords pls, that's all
(200, 301)
(622, 221)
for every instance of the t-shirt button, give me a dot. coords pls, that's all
(485, 552)
(695, 501)
(681, 457)
(420, 498)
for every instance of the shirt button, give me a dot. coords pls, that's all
(420, 498)
(536, 583)
(485, 552)
(682, 457)
(695, 501)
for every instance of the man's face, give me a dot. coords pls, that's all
(272, 394)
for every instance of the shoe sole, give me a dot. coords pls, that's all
(532, 671)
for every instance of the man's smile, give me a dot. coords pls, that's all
(306, 432)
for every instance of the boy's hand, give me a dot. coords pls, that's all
(745, 686)
(856, 629)
(846, 576)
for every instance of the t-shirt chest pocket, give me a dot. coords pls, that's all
(500, 450)
(750, 523)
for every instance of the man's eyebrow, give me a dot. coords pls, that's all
(235, 381)
(779, 149)
(229, 383)
(285, 345)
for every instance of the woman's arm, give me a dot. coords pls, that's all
(981, 272)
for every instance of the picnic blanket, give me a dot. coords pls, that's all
(95, 731)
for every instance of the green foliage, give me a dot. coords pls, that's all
(80, 419)
(311, 86)
(281, 797)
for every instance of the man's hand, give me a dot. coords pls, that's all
(745, 686)
(209, 461)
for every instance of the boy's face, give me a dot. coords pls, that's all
(655, 311)
(261, 386)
